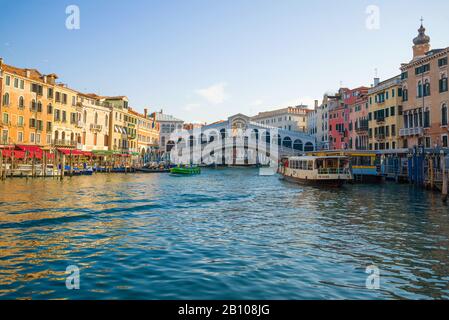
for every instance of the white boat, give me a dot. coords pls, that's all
(328, 170)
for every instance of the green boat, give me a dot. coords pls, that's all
(185, 170)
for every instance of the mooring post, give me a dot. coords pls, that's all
(444, 174)
(62, 166)
(1, 164)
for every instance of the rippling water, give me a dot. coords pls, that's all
(226, 234)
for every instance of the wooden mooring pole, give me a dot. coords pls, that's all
(1, 164)
(444, 174)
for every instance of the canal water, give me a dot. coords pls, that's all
(225, 234)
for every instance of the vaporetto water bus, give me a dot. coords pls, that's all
(325, 170)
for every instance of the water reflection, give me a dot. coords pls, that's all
(225, 234)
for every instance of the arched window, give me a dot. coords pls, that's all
(56, 135)
(298, 145)
(39, 106)
(444, 115)
(426, 88)
(50, 109)
(404, 94)
(6, 99)
(443, 83)
(309, 147)
(21, 103)
(287, 142)
(419, 89)
(63, 135)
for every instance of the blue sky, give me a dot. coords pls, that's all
(203, 60)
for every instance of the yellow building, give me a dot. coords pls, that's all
(147, 133)
(385, 114)
(25, 106)
(117, 123)
(67, 128)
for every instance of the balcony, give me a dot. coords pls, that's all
(64, 143)
(379, 136)
(406, 132)
(79, 124)
(361, 129)
(96, 127)
(380, 120)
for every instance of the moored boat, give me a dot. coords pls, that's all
(326, 170)
(185, 170)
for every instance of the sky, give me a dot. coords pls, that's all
(205, 60)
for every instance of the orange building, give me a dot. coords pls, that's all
(26, 106)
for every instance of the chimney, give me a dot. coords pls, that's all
(1, 62)
(45, 79)
(145, 112)
(28, 73)
(376, 81)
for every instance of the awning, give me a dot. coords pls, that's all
(30, 149)
(18, 154)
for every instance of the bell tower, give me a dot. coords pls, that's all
(421, 43)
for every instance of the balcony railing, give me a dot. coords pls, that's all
(411, 132)
(96, 127)
(79, 124)
(379, 136)
(362, 129)
(380, 119)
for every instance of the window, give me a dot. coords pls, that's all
(38, 89)
(5, 136)
(22, 84)
(392, 111)
(427, 118)
(58, 97)
(32, 123)
(50, 93)
(32, 137)
(405, 95)
(393, 130)
(404, 75)
(6, 99)
(57, 115)
(443, 83)
(444, 115)
(49, 109)
(21, 103)
(73, 101)
(49, 126)
(16, 83)
(8, 80)
(64, 98)
(422, 69)
(442, 62)
(419, 89)
(444, 139)
(6, 118)
(20, 136)
(64, 116)
(426, 88)
(20, 121)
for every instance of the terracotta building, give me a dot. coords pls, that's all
(425, 95)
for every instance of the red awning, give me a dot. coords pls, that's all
(16, 153)
(30, 149)
(88, 154)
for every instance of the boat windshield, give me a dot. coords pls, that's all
(332, 165)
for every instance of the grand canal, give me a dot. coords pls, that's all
(225, 234)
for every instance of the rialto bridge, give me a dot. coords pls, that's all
(237, 141)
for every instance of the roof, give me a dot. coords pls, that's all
(166, 117)
(22, 72)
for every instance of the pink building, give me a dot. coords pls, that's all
(339, 120)
(358, 119)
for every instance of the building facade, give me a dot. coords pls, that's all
(425, 95)
(117, 124)
(339, 120)
(95, 118)
(291, 118)
(358, 119)
(322, 124)
(26, 106)
(312, 120)
(147, 133)
(167, 125)
(385, 116)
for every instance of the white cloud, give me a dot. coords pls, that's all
(214, 94)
